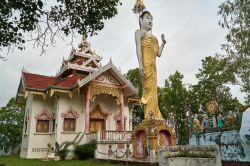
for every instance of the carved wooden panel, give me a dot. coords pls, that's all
(97, 89)
(98, 113)
(44, 115)
(97, 125)
(107, 78)
(70, 114)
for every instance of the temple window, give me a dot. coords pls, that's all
(25, 127)
(53, 125)
(26, 119)
(43, 121)
(69, 120)
(69, 124)
(118, 122)
(118, 125)
(42, 126)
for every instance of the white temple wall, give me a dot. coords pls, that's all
(34, 145)
(38, 141)
(77, 103)
(128, 114)
(25, 135)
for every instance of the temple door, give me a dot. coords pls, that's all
(97, 119)
(97, 125)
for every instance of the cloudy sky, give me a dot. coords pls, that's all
(191, 29)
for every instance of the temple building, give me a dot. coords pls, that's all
(83, 97)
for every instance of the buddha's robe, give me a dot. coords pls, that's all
(149, 48)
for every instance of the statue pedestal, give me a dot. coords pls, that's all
(149, 135)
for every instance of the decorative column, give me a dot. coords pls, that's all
(87, 99)
(122, 111)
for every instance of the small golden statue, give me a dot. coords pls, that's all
(196, 124)
(229, 119)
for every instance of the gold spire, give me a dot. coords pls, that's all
(139, 7)
(84, 43)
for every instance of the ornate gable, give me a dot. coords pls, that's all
(70, 114)
(100, 77)
(107, 78)
(44, 115)
(97, 113)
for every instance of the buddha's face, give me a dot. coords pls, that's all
(146, 22)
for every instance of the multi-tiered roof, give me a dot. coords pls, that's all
(82, 61)
(82, 66)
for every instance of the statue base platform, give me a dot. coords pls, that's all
(151, 134)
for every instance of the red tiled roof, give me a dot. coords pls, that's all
(43, 82)
(78, 61)
(38, 81)
(68, 81)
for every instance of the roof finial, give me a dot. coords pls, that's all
(84, 43)
(139, 7)
(23, 70)
(110, 60)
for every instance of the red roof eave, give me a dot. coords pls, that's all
(42, 83)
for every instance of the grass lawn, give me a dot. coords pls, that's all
(16, 161)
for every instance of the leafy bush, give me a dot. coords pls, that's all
(85, 151)
(63, 154)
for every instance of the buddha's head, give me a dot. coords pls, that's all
(146, 20)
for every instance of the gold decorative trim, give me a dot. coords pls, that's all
(96, 89)
(52, 92)
(152, 127)
(26, 94)
(134, 101)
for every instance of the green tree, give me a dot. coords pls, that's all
(51, 19)
(213, 78)
(133, 76)
(11, 125)
(172, 100)
(235, 16)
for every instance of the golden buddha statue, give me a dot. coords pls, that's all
(147, 49)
